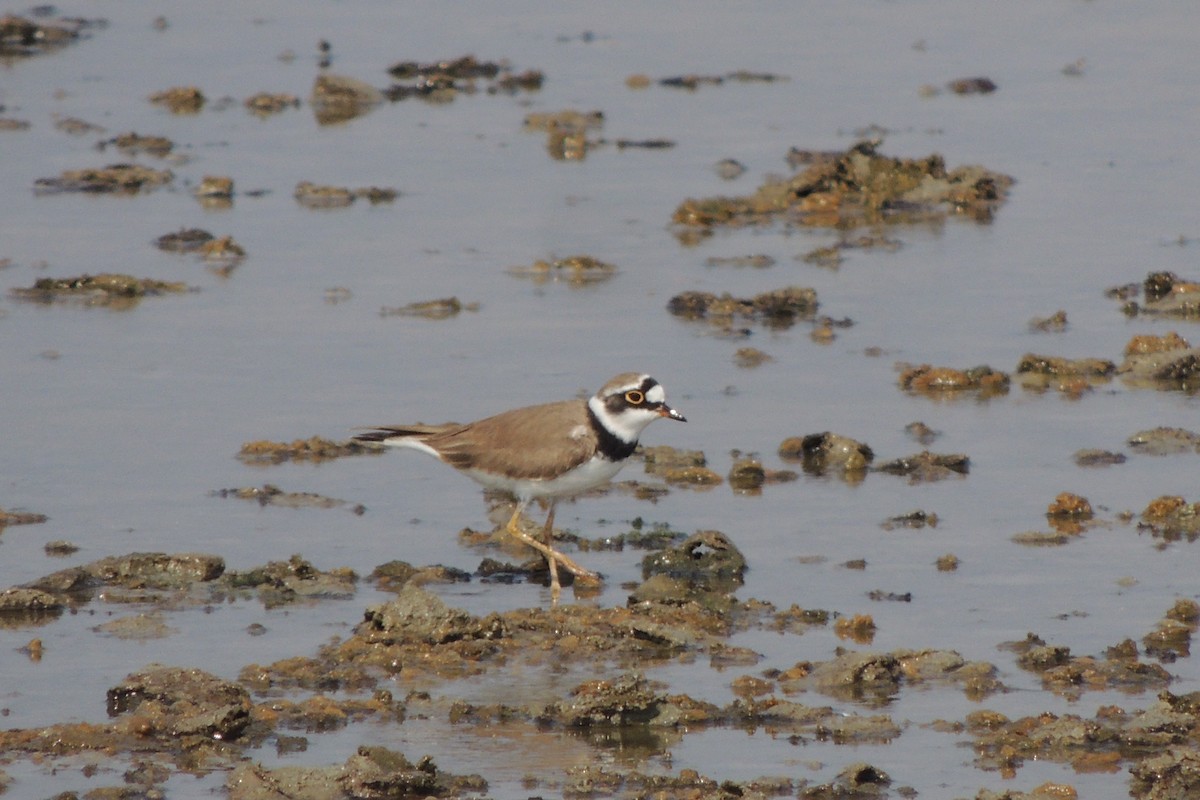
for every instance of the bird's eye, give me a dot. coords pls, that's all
(635, 398)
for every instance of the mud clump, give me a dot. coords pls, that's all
(338, 98)
(180, 99)
(270, 495)
(311, 195)
(21, 605)
(415, 615)
(942, 381)
(1069, 376)
(679, 467)
(60, 547)
(372, 772)
(693, 81)
(1171, 518)
(1070, 676)
(113, 179)
(1165, 294)
(755, 260)
(599, 781)
(224, 250)
(441, 308)
(925, 467)
(751, 357)
(443, 81)
(20, 518)
(947, 563)
(262, 452)
(21, 37)
(137, 627)
(1173, 774)
(133, 144)
(913, 520)
(418, 637)
(1161, 362)
(190, 717)
(137, 577)
(578, 270)
(824, 452)
(566, 120)
(136, 570)
(1148, 344)
(749, 476)
(184, 240)
(1055, 323)
(264, 104)
(1069, 515)
(175, 702)
(1172, 637)
(1094, 457)
(1070, 506)
(107, 289)
(188, 579)
(707, 558)
(567, 132)
(976, 85)
(832, 256)
(1153, 739)
(627, 700)
(701, 572)
(876, 678)
(853, 188)
(778, 309)
(279, 583)
(1164, 441)
(921, 433)
(394, 575)
(859, 628)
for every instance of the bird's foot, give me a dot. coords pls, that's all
(554, 558)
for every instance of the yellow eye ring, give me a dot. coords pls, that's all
(635, 398)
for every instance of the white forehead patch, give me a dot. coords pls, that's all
(656, 394)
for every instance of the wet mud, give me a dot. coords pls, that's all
(441, 308)
(169, 718)
(416, 656)
(576, 270)
(113, 179)
(113, 290)
(853, 188)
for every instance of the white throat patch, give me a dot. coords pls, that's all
(628, 423)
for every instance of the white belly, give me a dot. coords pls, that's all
(588, 475)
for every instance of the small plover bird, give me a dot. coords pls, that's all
(544, 452)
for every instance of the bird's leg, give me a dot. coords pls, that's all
(552, 556)
(548, 535)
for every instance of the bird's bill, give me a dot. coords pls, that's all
(670, 413)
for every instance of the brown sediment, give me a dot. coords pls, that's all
(577, 270)
(113, 179)
(855, 187)
(316, 448)
(441, 308)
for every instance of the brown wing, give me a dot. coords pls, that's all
(534, 442)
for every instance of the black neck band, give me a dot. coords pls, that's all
(611, 446)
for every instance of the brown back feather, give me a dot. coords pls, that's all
(516, 441)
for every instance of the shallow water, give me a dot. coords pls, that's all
(118, 424)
